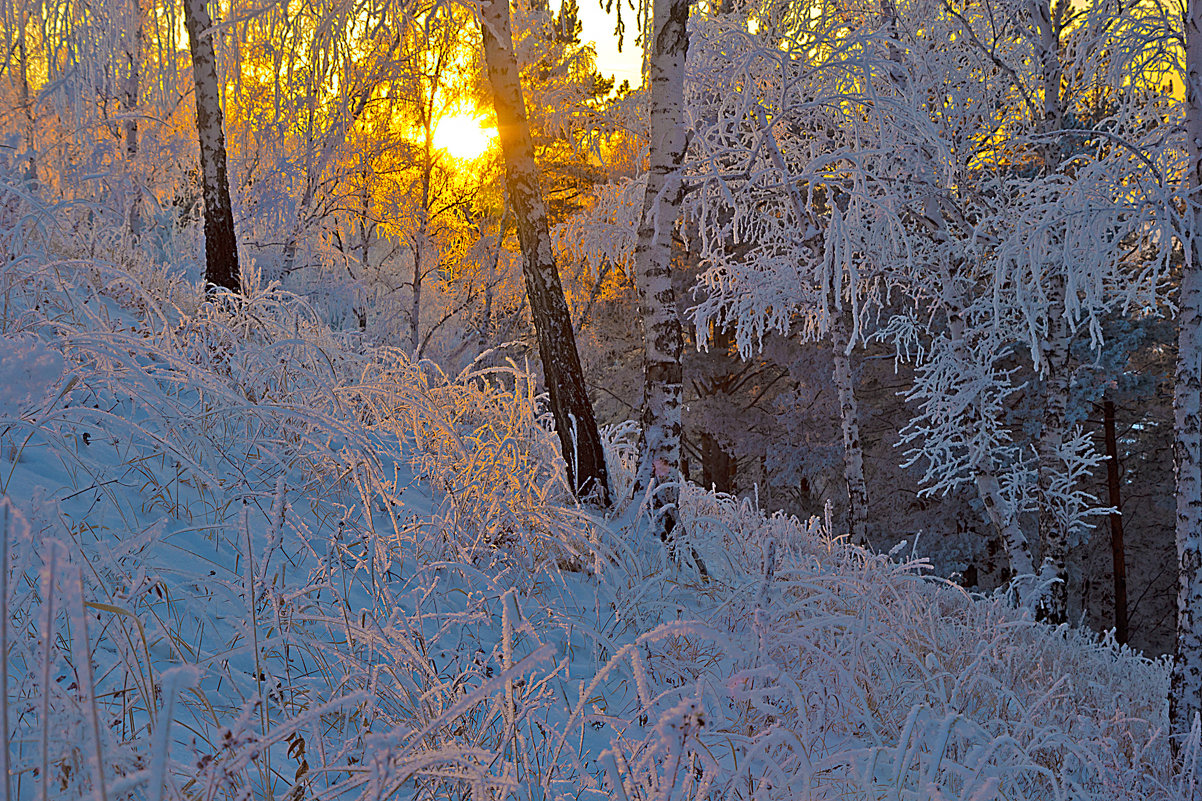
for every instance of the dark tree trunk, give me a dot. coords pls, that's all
(1116, 523)
(221, 246)
(579, 439)
(420, 239)
(717, 466)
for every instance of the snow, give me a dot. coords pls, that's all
(252, 558)
(28, 371)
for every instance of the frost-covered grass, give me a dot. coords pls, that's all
(247, 557)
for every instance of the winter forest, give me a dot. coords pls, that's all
(397, 404)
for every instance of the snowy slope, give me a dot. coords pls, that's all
(251, 558)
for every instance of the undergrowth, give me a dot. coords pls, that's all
(248, 557)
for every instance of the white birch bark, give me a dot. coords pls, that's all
(133, 89)
(221, 246)
(1048, 21)
(849, 418)
(1185, 701)
(31, 169)
(659, 462)
(1053, 520)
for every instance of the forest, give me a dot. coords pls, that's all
(395, 402)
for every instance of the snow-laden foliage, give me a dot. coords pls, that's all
(978, 183)
(855, 148)
(607, 231)
(245, 557)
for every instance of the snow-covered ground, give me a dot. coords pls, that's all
(248, 557)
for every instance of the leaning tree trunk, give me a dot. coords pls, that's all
(849, 417)
(1185, 700)
(580, 442)
(221, 247)
(663, 375)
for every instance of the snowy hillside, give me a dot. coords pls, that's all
(247, 557)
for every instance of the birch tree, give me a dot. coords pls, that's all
(580, 441)
(134, 54)
(663, 378)
(17, 16)
(758, 209)
(1185, 701)
(1003, 234)
(221, 246)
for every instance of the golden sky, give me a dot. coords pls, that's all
(598, 27)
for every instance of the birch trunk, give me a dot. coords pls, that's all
(1002, 517)
(221, 247)
(1053, 520)
(419, 242)
(1048, 21)
(365, 233)
(984, 471)
(663, 375)
(1185, 700)
(580, 441)
(849, 418)
(31, 170)
(133, 89)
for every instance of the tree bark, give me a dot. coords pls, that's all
(31, 169)
(1117, 552)
(717, 466)
(419, 241)
(1048, 21)
(1003, 518)
(133, 88)
(849, 419)
(580, 441)
(1053, 520)
(663, 374)
(1185, 700)
(221, 246)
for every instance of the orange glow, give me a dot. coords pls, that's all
(464, 136)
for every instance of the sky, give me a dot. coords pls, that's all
(598, 27)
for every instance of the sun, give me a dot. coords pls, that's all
(463, 136)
